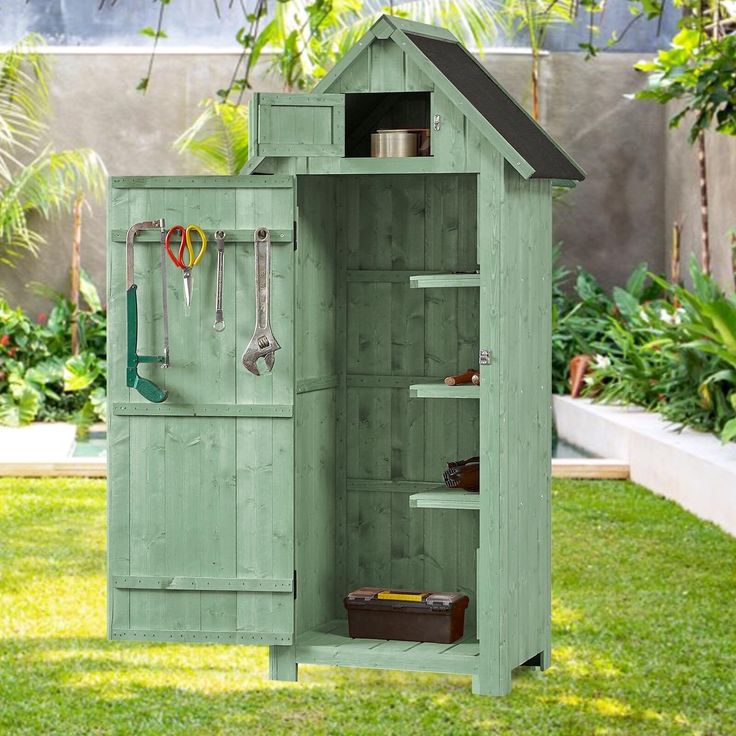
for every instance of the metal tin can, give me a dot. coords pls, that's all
(399, 143)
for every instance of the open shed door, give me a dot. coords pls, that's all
(200, 486)
(296, 125)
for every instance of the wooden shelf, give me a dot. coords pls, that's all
(330, 644)
(446, 498)
(444, 280)
(442, 391)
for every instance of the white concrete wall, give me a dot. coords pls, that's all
(610, 223)
(692, 468)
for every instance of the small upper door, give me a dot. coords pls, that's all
(200, 486)
(297, 125)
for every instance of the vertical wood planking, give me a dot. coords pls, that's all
(118, 451)
(416, 79)
(346, 196)
(448, 143)
(494, 674)
(441, 428)
(147, 435)
(181, 504)
(408, 218)
(315, 411)
(387, 67)
(265, 446)
(218, 611)
(419, 223)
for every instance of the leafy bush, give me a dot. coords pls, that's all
(39, 378)
(654, 344)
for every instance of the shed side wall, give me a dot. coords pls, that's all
(524, 355)
(316, 397)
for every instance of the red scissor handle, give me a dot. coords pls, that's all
(178, 262)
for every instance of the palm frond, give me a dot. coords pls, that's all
(50, 180)
(218, 137)
(24, 99)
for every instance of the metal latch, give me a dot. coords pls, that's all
(484, 357)
(437, 122)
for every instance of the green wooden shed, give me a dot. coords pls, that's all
(242, 508)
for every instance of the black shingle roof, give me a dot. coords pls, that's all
(498, 108)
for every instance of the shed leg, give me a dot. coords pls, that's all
(282, 664)
(486, 685)
(546, 658)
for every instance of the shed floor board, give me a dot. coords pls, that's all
(330, 644)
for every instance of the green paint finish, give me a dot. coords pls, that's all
(232, 237)
(441, 391)
(199, 182)
(243, 508)
(297, 125)
(393, 442)
(444, 280)
(445, 499)
(201, 485)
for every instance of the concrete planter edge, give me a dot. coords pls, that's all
(692, 468)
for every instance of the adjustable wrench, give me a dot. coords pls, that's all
(263, 344)
(219, 324)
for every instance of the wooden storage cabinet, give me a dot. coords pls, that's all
(243, 508)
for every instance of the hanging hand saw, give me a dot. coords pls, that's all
(146, 388)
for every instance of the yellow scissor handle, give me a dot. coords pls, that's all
(190, 249)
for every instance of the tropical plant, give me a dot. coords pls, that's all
(307, 37)
(654, 344)
(39, 378)
(218, 138)
(698, 72)
(34, 178)
(581, 322)
(534, 19)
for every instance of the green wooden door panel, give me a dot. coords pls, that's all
(202, 498)
(297, 125)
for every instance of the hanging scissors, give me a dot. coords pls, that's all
(186, 245)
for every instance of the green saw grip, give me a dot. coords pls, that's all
(147, 389)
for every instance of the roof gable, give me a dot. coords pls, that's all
(523, 143)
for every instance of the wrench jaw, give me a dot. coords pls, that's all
(260, 346)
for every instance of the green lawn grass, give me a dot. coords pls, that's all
(643, 629)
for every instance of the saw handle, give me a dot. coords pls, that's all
(146, 388)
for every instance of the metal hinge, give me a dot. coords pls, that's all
(484, 356)
(437, 122)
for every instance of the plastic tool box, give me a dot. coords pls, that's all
(408, 615)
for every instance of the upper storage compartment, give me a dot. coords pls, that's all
(369, 112)
(334, 124)
(296, 125)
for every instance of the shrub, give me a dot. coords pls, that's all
(39, 378)
(655, 344)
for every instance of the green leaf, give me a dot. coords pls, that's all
(20, 409)
(728, 433)
(98, 400)
(628, 305)
(636, 282)
(142, 85)
(152, 32)
(89, 292)
(47, 371)
(218, 137)
(81, 371)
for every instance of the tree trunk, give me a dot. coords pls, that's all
(675, 255)
(535, 85)
(75, 269)
(703, 175)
